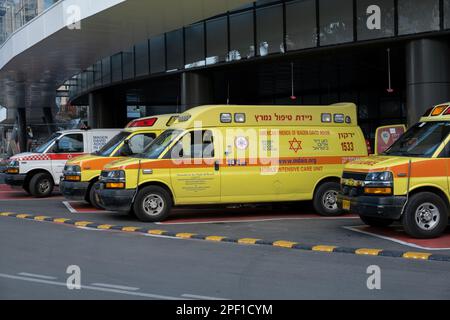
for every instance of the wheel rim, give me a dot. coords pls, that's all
(329, 200)
(427, 216)
(153, 204)
(44, 186)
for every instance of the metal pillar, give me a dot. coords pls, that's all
(21, 120)
(196, 90)
(427, 76)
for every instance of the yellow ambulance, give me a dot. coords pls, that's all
(81, 173)
(238, 155)
(409, 182)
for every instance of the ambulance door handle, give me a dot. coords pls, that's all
(216, 166)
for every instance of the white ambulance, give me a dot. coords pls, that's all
(39, 171)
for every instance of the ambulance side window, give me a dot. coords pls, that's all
(136, 144)
(70, 143)
(445, 153)
(195, 145)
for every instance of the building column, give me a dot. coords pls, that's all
(427, 76)
(196, 90)
(48, 118)
(107, 109)
(21, 121)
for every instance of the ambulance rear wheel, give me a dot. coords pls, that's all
(325, 199)
(93, 197)
(152, 204)
(41, 185)
(425, 216)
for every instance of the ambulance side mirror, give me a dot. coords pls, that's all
(386, 136)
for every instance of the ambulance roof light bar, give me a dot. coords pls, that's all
(150, 122)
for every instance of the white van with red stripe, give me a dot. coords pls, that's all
(38, 172)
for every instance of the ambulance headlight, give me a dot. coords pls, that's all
(69, 169)
(14, 164)
(115, 175)
(380, 177)
(13, 167)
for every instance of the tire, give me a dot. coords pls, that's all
(161, 199)
(325, 199)
(41, 185)
(92, 197)
(377, 222)
(425, 216)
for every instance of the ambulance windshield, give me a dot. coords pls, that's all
(44, 146)
(154, 150)
(112, 144)
(422, 140)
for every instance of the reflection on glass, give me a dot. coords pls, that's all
(447, 14)
(141, 54)
(116, 70)
(106, 70)
(375, 19)
(242, 37)
(269, 26)
(128, 64)
(195, 46)
(216, 40)
(157, 54)
(336, 21)
(174, 49)
(301, 29)
(417, 16)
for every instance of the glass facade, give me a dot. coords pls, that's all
(195, 45)
(375, 19)
(269, 27)
(301, 25)
(336, 21)
(217, 40)
(175, 47)
(416, 16)
(141, 59)
(15, 13)
(242, 38)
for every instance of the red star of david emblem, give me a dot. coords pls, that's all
(296, 145)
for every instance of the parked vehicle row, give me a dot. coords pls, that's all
(253, 154)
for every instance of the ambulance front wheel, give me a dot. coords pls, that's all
(152, 204)
(93, 197)
(425, 216)
(41, 185)
(325, 199)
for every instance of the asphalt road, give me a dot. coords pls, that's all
(118, 265)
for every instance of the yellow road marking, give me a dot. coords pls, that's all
(40, 218)
(215, 238)
(284, 244)
(185, 235)
(62, 220)
(82, 223)
(23, 216)
(156, 232)
(324, 248)
(104, 226)
(417, 255)
(248, 241)
(130, 229)
(368, 252)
